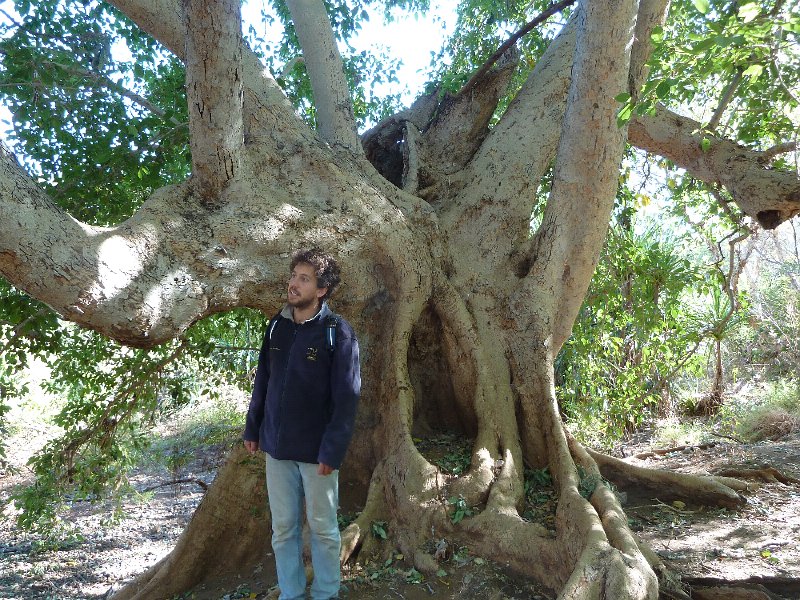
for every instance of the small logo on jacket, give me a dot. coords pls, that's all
(311, 354)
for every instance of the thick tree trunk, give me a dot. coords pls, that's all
(458, 310)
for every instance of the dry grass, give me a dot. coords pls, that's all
(770, 424)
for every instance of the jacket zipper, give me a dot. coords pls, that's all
(283, 389)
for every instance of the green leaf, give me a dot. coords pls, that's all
(657, 35)
(663, 88)
(702, 46)
(705, 145)
(623, 97)
(702, 6)
(753, 71)
(749, 11)
(624, 114)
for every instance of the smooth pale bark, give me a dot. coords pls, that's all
(334, 109)
(214, 93)
(587, 161)
(652, 13)
(725, 163)
(455, 307)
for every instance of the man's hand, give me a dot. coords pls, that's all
(324, 469)
(251, 446)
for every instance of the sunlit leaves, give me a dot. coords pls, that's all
(749, 11)
(76, 120)
(741, 61)
(702, 6)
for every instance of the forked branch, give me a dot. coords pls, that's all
(515, 37)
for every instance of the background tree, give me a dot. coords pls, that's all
(430, 210)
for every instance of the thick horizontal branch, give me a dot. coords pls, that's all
(770, 196)
(142, 282)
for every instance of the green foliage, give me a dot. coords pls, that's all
(343, 520)
(767, 343)
(633, 332)
(27, 328)
(750, 50)
(460, 509)
(114, 395)
(98, 153)
(380, 530)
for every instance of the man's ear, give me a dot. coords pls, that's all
(321, 292)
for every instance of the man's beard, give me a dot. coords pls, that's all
(301, 303)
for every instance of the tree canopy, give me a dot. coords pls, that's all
(165, 189)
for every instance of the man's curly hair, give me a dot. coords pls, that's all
(325, 268)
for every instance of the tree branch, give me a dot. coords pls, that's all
(553, 9)
(652, 13)
(335, 121)
(214, 93)
(114, 86)
(590, 150)
(769, 154)
(148, 279)
(163, 20)
(727, 96)
(769, 196)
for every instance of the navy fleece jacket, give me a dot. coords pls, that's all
(304, 398)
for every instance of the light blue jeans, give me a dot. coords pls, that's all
(288, 482)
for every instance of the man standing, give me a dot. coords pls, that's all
(301, 414)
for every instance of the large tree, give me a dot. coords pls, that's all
(459, 306)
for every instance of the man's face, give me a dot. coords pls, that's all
(302, 291)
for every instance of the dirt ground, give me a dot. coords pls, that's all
(757, 545)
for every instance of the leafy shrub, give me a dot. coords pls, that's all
(633, 333)
(770, 413)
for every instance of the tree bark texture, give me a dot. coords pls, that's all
(459, 311)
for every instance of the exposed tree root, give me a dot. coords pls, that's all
(710, 490)
(611, 564)
(233, 509)
(600, 556)
(663, 451)
(199, 482)
(765, 473)
(768, 587)
(357, 536)
(733, 593)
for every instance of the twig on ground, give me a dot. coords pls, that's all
(663, 451)
(199, 482)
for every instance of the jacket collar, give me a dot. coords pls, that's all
(324, 311)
